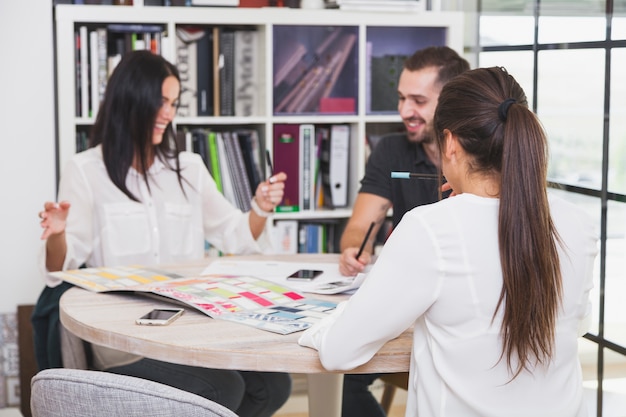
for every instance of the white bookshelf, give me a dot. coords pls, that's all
(68, 17)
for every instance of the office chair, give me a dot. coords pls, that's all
(63, 392)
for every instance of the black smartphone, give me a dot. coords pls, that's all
(305, 275)
(160, 316)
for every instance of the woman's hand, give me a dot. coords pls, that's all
(53, 218)
(270, 192)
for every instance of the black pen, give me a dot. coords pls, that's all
(367, 236)
(408, 175)
(268, 159)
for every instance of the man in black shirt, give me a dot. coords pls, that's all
(414, 151)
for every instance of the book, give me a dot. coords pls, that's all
(286, 159)
(227, 181)
(339, 162)
(306, 175)
(94, 94)
(227, 72)
(214, 161)
(244, 299)
(204, 60)
(251, 153)
(187, 64)
(242, 186)
(284, 235)
(334, 164)
(84, 71)
(246, 76)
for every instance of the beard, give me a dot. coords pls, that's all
(424, 136)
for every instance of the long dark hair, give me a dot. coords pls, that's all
(488, 111)
(126, 118)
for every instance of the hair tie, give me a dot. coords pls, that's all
(503, 108)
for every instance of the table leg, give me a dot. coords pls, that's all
(325, 393)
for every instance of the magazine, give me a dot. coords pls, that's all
(243, 299)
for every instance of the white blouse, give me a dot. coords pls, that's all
(440, 273)
(105, 227)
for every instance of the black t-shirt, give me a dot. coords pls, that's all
(394, 152)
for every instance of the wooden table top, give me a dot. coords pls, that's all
(198, 340)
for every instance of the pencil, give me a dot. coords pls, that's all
(367, 236)
(268, 159)
(409, 175)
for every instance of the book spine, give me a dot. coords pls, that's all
(84, 72)
(227, 72)
(93, 76)
(286, 159)
(186, 57)
(307, 163)
(205, 74)
(246, 83)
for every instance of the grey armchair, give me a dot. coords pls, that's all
(65, 392)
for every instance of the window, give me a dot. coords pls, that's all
(570, 58)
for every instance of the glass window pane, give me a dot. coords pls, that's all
(518, 63)
(618, 26)
(570, 106)
(553, 29)
(615, 287)
(506, 30)
(617, 127)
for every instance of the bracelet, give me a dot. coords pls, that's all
(258, 210)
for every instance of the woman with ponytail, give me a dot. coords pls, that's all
(495, 281)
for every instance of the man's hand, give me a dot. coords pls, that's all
(349, 265)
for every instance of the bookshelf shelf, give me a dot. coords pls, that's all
(371, 36)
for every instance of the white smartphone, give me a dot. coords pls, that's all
(160, 316)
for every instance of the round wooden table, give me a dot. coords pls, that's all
(195, 339)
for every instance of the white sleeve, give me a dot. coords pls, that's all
(79, 235)
(401, 286)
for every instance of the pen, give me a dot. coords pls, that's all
(367, 236)
(409, 175)
(268, 159)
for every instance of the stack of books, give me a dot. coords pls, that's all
(383, 5)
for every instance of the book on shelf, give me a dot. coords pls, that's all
(228, 187)
(251, 153)
(218, 64)
(94, 94)
(306, 177)
(227, 72)
(244, 299)
(284, 235)
(240, 176)
(187, 63)
(246, 73)
(286, 159)
(334, 165)
(214, 160)
(84, 71)
(204, 74)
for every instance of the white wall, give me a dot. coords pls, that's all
(27, 152)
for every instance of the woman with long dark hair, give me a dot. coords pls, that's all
(133, 198)
(494, 280)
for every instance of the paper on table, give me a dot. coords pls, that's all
(329, 282)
